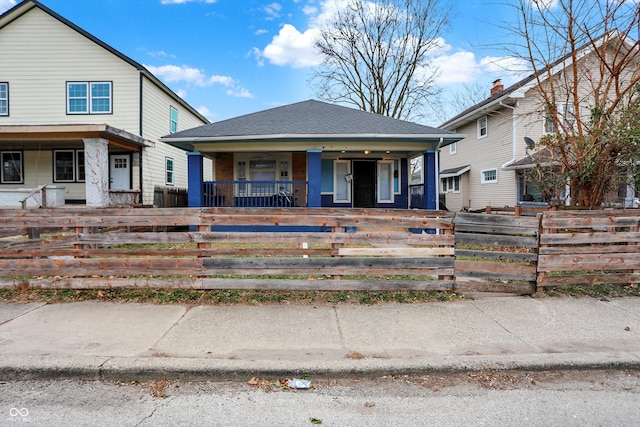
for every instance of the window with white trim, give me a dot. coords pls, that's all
(453, 148)
(416, 176)
(89, 98)
(173, 126)
(4, 99)
(263, 172)
(385, 181)
(342, 181)
(489, 176)
(483, 127)
(567, 115)
(12, 167)
(169, 173)
(450, 184)
(68, 166)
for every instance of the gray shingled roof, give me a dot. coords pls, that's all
(309, 118)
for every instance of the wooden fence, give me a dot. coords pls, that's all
(329, 249)
(589, 248)
(170, 197)
(316, 249)
(496, 252)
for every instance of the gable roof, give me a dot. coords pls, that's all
(518, 89)
(311, 120)
(26, 5)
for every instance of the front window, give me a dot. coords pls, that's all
(416, 175)
(453, 148)
(489, 176)
(342, 181)
(169, 177)
(11, 167)
(450, 184)
(68, 166)
(263, 172)
(385, 181)
(89, 98)
(4, 99)
(483, 127)
(173, 127)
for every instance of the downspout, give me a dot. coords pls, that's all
(513, 133)
(438, 173)
(513, 143)
(140, 123)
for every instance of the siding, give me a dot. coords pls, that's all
(37, 45)
(155, 124)
(490, 152)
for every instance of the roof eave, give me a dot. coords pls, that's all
(480, 111)
(447, 139)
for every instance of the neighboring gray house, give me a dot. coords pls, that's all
(81, 117)
(324, 154)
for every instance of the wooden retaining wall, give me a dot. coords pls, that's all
(359, 249)
(589, 248)
(120, 247)
(496, 253)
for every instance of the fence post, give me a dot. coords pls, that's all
(540, 275)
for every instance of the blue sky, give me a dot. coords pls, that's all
(233, 57)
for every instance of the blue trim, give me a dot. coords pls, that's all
(314, 177)
(195, 178)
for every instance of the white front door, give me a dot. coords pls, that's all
(120, 172)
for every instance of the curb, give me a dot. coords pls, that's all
(202, 369)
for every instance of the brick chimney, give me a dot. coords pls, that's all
(497, 87)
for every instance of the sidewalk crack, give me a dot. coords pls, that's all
(340, 334)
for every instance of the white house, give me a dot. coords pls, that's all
(502, 134)
(78, 115)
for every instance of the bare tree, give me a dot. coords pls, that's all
(586, 64)
(376, 55)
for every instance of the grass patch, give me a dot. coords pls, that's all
(595, 291)
(225, 296)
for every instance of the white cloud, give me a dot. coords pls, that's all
(205, 112)
(261, 32)
(186, 1)
(6, 5)
(463, 67)
(291, 47)
(190, 75)
(273, 10)
(544, 4)
(159, 54)
(309, 10)
(240, 92)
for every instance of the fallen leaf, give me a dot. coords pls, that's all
(315, 420)
(253, 381)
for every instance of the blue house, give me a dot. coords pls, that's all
(315, 154)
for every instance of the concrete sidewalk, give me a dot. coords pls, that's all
(99, 340)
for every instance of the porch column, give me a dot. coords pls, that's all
(314, 168)
(96, 169)
(195, 179)
(431, 175)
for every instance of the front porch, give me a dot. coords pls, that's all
(93, 165)
(382, 180)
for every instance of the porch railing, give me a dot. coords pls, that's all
(255, 194)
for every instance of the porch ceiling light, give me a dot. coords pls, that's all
(367, 151)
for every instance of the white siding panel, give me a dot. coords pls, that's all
(156, 124)
(38, 45)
